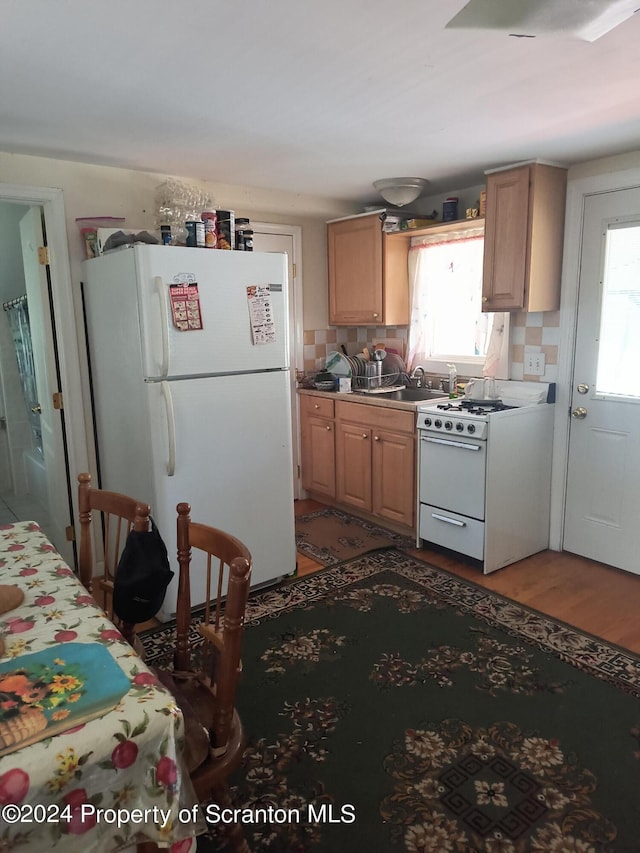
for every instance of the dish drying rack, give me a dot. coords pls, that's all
(386, 383)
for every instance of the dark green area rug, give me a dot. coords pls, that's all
(391, 706)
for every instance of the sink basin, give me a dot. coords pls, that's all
(416, 395)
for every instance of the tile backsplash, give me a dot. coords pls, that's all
(531, 332)
(535, 332)
(319, 342)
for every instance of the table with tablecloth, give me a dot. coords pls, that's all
(112, 780)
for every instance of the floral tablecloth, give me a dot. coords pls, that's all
(98, 785)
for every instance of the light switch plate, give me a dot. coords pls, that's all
(534, 363)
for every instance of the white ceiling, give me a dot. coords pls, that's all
(310, 97)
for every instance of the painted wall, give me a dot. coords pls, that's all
(106, 191)
(96, 190)
(539, 332)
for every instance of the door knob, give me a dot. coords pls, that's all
(37, 409)
(580, 413)
(582, 388)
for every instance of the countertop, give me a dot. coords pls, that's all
(380, 400)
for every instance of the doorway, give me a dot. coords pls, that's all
(270, 237)
(603, 472)
(42, 440)
(34, 470)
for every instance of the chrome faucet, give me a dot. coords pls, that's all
(414, 375)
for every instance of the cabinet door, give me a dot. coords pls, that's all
(353, 465)
(393, 477)
(318, 456)
(506, 241)
(355, 271)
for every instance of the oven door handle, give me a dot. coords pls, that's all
(448, 520)
(461, 444)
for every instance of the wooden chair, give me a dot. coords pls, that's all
(205, 679)
(119, 515)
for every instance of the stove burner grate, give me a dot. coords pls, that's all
(475, 407)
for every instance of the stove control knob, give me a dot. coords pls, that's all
(448, 425)
(427, 421)
(471, 428)
(437, 423)
(459, 427)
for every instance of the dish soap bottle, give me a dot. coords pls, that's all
(453, 380)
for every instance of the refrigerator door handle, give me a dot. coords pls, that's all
(164, 327)
(171, 428)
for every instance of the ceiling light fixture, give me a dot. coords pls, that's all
(583, 19)
(400, 191)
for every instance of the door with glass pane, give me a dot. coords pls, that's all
(602, 512)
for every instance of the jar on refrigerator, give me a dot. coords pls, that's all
(210, 219)
(242, 226)
(226, 220)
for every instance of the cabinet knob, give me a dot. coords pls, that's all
(375, 316)
(328, 428)
(376, 438)
(485, 298)
(316, 405)
(365, 435)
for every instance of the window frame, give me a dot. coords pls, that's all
(451, 233)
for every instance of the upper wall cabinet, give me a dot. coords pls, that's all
(523, 240)
(368, 275)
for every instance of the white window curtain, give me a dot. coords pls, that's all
(496, 362)
(447, 322)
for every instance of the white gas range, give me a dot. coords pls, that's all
(484, 474)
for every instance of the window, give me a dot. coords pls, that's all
(447, 321)
(619, 342)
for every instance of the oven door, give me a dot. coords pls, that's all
(452, 473)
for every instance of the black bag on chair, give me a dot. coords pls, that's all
(142, 576)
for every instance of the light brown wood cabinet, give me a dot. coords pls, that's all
(361, 457)
(317, 428)
(375, 461)
(523, 238)
(368, 274)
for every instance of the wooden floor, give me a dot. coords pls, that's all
(594, 597)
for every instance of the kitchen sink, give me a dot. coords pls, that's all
(415, 395)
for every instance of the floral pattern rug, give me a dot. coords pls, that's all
(331, 536)
(390, 706)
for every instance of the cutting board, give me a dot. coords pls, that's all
(397, 345)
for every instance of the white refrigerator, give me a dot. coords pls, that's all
(191, 386)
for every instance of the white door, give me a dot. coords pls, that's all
(44, 355)
(272, 241)
(603, 482)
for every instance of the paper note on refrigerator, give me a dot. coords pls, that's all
(263, 329)
(185, 306)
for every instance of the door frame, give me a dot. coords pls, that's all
(577, 193)
(52, 202)
(296, 346)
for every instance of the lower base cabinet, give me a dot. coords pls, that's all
(318, 454)
(393, 477)
(375, 461)
(360, 457)
(353, 465)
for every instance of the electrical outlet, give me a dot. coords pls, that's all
(534, 363)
